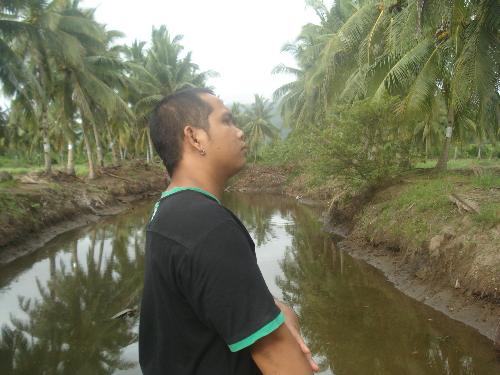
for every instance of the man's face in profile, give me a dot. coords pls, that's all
(226, 148)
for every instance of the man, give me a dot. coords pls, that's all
(206, 309)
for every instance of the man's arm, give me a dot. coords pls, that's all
(278, 353)
(292, 322)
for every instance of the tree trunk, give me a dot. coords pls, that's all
(150, 145)
(112, 146)
(148, 159)
(479, 151)
(456, 153)
(70, 138)
(100, 158)
(89, 153)
(426, 149)
(70, 167)
(46, 143)
(442, 164)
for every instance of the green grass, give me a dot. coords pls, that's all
(11, 205)
(461, 163)
(486, 181)
(489, 216)
(20, 170)
(80, 169)
(8, 184)
(415, 212)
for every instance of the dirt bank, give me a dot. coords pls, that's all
(36, 208)
(418, 231)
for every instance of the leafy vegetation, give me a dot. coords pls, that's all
(381, 85)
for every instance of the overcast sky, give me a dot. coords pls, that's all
(240, 39)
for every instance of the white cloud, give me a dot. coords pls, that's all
(241, 40)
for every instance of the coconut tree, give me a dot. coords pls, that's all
(166, 70)
(91, 88)
(47, 40)
(456, 56)
(258, 126)
(14, 77)
(303, 101)
(417, 50)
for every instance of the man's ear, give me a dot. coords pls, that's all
(195, 137)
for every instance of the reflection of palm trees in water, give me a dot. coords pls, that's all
(69, 330)
(357, 323)
(256, 211)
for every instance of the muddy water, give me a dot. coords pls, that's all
(55, 306)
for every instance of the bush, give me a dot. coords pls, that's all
(365, 143)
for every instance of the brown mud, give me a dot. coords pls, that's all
(464, 284)
(36, 208)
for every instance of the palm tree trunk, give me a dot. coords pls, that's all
(150, 145)
(70, 167)
(70, 137)
(442, 164)
(100, 158)
(89, 153)
(479, 151)
(426, 148)
(46, 143)
(456, 153)
(112, 146)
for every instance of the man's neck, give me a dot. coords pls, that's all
(214, 187)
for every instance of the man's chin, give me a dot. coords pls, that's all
(240, 168)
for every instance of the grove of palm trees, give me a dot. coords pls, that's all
(75, 91)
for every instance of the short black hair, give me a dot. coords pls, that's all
(170, 116)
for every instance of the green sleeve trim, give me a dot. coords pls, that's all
(264, 331)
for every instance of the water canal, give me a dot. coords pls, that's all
(56, 305)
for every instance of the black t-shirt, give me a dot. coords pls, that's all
(204, 300)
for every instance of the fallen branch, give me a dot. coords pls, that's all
(115, 176)
(464, 203)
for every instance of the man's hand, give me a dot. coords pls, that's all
(292, 323)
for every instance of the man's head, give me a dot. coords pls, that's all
(193, 126)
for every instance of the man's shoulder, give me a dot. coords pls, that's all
(187, 217)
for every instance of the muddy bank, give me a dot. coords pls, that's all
(429, 248)
(36, 208)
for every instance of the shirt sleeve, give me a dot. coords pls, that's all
(226, 289)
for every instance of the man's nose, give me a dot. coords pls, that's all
(241, 134)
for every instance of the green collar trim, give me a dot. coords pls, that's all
(178, 189)
(182, 188)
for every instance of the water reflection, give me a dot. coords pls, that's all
(359, 324)
(261, 213)
(66, 327)
(55, 306)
